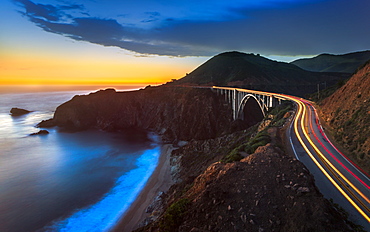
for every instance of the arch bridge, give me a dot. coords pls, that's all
(238, 98)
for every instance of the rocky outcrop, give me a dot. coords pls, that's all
(175, 113)
(18, 111)
(40, 132)
(266, 191)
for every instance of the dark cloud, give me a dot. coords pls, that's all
(48, 12)
(106, 32)
(331, 26)
(335, 26)
(109, 32)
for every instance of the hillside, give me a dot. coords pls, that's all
(346, 63)
(266, 190)
(348, 112)
(256, 72)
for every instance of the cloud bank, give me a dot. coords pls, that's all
(280, 27)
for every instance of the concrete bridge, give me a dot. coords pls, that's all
(239, 98)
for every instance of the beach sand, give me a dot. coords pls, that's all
(160, 181)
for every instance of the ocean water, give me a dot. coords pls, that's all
(80, 181)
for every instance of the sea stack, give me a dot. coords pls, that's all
(18, 111)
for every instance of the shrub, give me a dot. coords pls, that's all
(232, 156)
(261, 139)
(173, 216)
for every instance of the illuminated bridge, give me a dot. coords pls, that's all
(241, 98)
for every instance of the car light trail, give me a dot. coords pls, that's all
(326, 138)
(336, 159)
(300, 104)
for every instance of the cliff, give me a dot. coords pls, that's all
(347, 111)
(175, 113)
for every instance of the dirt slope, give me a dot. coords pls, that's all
(347, 111)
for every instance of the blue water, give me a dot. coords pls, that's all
(65, 181)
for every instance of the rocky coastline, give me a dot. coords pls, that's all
(227, 176)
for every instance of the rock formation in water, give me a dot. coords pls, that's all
(40, 132)
(18, 111)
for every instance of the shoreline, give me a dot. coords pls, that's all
(160, 181)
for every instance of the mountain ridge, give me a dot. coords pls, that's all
(252, 71)
(347, 63)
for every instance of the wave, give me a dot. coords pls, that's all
(103, 215)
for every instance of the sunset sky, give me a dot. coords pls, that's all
(115, 42)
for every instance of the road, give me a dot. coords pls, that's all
(336, 176)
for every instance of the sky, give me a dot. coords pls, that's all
(140, 42)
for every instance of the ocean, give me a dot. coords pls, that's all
(81, 181)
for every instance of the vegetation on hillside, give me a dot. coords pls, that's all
(275, 118)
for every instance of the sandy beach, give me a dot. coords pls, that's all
(159, 181)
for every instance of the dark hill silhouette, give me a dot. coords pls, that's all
(257, 72)
(347, 63)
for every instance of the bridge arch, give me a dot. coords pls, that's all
(241, 98)
(251, 109)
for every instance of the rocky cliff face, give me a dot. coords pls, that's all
(175, 113)
(348, 112)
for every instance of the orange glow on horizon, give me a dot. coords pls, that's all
(22, 68)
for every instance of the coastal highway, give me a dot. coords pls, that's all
(336, 176)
